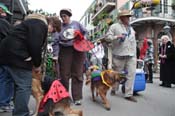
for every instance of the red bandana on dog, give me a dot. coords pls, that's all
(56, 92)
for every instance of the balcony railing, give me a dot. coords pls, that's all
(159, 11)
(104, 6)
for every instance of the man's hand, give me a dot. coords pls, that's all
(36, 73)
(37, 69)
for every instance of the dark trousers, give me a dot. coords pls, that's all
(71, 66)
(23, 82)
(6, 87)
(150, 72)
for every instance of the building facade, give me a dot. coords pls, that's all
(151, 19)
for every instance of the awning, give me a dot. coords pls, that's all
(156, 20)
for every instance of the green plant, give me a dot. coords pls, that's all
(95, 22)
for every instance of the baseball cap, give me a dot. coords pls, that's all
(5, 9)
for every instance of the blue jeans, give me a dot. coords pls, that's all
(6, 87)
(23, 82)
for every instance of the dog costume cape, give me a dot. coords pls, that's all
(81, 44)
(99, 75)
(56, 92)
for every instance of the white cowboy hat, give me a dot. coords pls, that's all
(124, 12)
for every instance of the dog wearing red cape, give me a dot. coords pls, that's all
(51, 100)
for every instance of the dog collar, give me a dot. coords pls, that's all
(102, 77)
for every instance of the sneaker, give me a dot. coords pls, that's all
(77, 102)
(149, 81)
(6, 109)
(131, 98)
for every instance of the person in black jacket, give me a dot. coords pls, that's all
(167, 58)
(21, 55)
(4, 24)
(6, 85)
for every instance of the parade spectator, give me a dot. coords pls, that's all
(97, 54)
(4, 24)
(138, 51)
(122, 36)
(143, 49)
(6, 84)
(71, 61)
(54, 27)
(149, 61)
(167, 58)
(21, 55)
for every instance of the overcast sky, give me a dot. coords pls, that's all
(78, 7)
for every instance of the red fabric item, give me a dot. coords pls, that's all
(81, 44)
(143, 49)
(56, 92)
(79, 35)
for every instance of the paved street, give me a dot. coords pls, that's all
(154, 101)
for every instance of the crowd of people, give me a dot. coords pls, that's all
(23, 47)
(22, 54)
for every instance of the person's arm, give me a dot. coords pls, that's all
(4, 28)
(111, 34)
(56, 47)
(83, 30)
(37, 34)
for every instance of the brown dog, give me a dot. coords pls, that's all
(101, 85)
(37, 91)
(62, 106)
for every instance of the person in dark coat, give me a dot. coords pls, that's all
(6, 85)
(4, 24)
(21, 55)
(167, 58)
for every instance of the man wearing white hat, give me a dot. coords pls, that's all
(122, 36)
